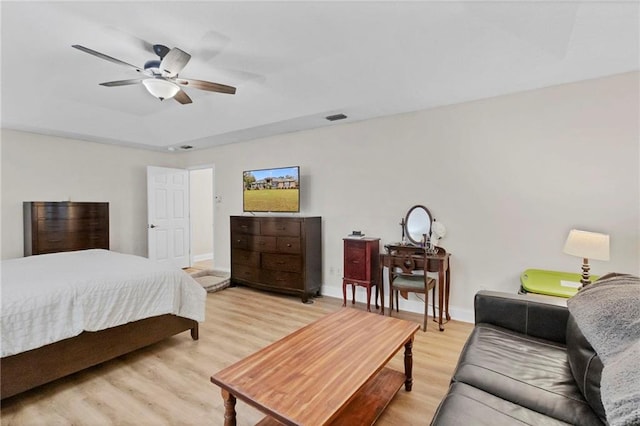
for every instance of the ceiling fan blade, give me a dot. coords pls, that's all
(129, 38)
(106, 57)
(122, 82)
(173, 62)
(206, 85)
(182, 97)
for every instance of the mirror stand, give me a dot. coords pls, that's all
(404, 236)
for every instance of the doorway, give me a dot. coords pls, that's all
(201, 200)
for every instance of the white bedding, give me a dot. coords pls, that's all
(50, 297)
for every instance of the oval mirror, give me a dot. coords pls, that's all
(417, 223)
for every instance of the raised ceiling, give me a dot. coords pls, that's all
(293, 63)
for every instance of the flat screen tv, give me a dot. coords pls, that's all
(271, 190)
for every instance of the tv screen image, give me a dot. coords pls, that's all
(271, 190)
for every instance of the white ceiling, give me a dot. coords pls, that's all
(293, 63)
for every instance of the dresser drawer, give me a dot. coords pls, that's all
(53, 225)
(261, 243)
(355, 263)
(240, 241)
(288, 245)
(282, 262)
(54, 241)
(282, 279)
(66, 225)
(244, 272)
(280, 228)
(245, 257)
(52, 237)
(245, 225)
(76, 211)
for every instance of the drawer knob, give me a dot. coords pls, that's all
(289, 245)
(355, 261)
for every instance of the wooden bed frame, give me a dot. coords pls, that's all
(36, 367)
(26, 370)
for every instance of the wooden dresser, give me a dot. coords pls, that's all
(282, 254)
(53, 226)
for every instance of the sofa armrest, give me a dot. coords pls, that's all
(539, 317)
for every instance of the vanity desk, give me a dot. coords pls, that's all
(419, 251)
(437, 262)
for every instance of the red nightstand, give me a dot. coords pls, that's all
(361, 263)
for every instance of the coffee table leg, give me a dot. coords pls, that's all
(229, 408)
(408, 365)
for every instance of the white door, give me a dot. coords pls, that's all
(168, 215)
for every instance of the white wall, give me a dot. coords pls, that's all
(45, 168)
(201, 195)
(508, 176)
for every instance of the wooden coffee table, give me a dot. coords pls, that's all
(330, 372)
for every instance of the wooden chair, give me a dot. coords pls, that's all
(408, 274)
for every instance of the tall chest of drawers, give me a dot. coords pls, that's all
(277, 253)
(53, 226)
(361, 267)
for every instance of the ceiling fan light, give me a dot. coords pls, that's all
(161, 88)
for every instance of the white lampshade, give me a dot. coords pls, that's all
(588, 245)
(161, 88)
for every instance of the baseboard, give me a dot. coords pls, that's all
(202, 257)
(416, 306)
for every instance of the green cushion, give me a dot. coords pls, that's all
(410, 282)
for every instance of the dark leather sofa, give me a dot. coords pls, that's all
(525, 363)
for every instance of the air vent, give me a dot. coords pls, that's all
(336, 117)
(186, 147)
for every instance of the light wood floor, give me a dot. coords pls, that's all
(168, 383)
(199, 266)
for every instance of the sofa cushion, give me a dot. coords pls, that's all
(466, 405)
(524, 370)
(586, 367)
(533, 315)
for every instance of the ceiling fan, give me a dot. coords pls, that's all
(161, 76)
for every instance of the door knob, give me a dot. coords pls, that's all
(152, 226)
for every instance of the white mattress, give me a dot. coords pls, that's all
(51, 297)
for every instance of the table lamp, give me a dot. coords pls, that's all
(587, 245)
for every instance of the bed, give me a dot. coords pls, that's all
(64, 312)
